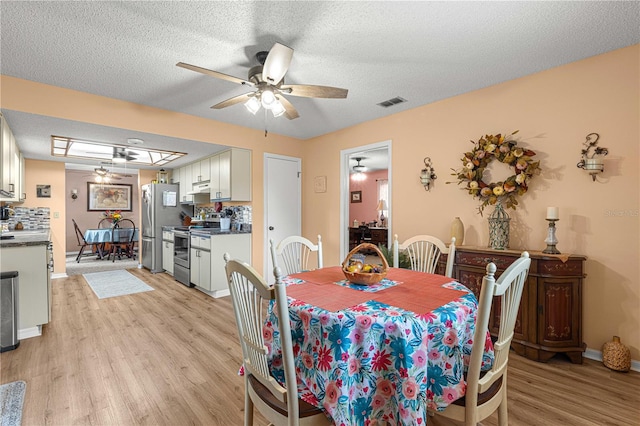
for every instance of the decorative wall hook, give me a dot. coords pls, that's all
(427, 175)
(592, 156)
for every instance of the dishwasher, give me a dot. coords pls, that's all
(9, 311)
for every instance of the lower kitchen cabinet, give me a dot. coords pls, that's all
(200, 256)
(34, 284)
(208, 272)
(167, 255)
(550, 317)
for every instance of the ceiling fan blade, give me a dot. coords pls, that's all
(214, 73)
(232, 101)
(289, 110)
(277, 63)
(309, 91)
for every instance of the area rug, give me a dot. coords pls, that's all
(115, 283)
(11, 400)
(91, 264)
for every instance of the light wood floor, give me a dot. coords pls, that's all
(170, 357)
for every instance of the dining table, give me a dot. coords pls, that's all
(101, 236)
(377, 354)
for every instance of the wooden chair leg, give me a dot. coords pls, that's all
(80, 254)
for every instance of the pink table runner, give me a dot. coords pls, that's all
(417, 292)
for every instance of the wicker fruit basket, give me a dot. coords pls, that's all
(359, 277)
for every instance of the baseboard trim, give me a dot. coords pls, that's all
(597, 356)
(27, 333)
(59, 275)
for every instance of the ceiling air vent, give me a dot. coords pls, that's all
(392, 102)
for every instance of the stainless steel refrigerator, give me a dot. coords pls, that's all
(160, 207)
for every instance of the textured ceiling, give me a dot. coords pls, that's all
(421, 51)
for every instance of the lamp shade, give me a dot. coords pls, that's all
(382, 205)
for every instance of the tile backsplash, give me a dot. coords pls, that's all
(30, 217)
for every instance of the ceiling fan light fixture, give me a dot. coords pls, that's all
(277, 109)
(268, 98)
(253, 105)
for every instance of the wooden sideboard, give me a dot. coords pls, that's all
(378, 236)
(550, 316)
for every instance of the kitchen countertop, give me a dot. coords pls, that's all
(218, 231)
(209, 231)
(29, 237)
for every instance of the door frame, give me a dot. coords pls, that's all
(266, 250)
(344, 192)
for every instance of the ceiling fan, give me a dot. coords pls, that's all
(268, 79)
(121, 155)
(359, 168)
(105, 175)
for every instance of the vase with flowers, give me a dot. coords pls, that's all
(113, 215)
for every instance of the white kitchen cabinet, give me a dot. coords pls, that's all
(231, 175)
(200, 258)
(200, 171)
(11, 176)
(167, 251)
(239, 247)
(34, 284)
(185, 185)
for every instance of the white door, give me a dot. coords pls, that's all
(282, 200)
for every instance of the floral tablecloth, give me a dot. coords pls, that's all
(372, 362)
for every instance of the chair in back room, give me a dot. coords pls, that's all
(82, 243)
(123, 239)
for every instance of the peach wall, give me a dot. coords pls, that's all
(49, 173)
(554, 111)
(366, 211)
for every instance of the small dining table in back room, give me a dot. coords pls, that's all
(379, 354)
(102, 236)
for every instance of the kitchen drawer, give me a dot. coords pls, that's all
(201, 242)
(167, 235)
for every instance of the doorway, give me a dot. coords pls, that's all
(283, 203)
(379, 155)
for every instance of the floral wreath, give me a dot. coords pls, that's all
(506, 151)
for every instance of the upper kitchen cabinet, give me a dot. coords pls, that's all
(185, 184)
(11, 177)
(200, 171)
(231, 175)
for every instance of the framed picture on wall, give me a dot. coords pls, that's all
(113, 196)
(356, 196)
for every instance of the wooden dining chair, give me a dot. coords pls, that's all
(295, 252)
(82, 243)
(487, 391)
(279, 404)
(105, 222)
(424, 252)
(123, 239)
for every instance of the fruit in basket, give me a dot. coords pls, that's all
(355, 267)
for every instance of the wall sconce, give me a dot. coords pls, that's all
(592, 161)
(427, 175)
(74, 194)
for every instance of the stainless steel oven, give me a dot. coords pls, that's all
(181, 261)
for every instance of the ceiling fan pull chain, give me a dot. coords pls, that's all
(265, 122)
